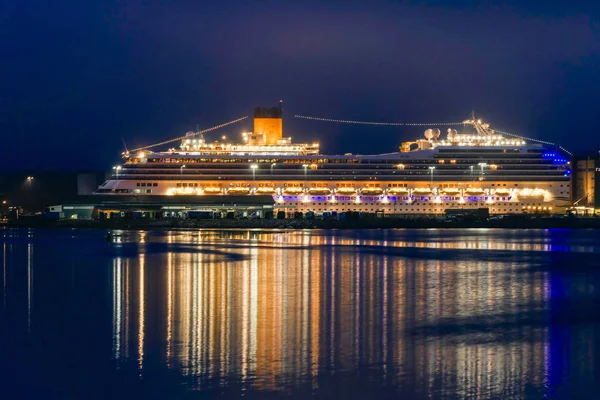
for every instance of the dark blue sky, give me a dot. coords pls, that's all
(76, 76)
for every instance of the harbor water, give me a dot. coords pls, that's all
(415, 314)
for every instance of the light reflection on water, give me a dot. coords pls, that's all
(419, 313)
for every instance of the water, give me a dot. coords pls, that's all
(322, 314)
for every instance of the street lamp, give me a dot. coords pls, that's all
(117, 169)
(181, 169)
(305, 166)
(482, 165)
(273, 165)
(254, 167)
(471, 167)
(431, 169)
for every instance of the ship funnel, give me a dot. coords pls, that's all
(269, 123)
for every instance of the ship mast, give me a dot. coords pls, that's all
(481, 127)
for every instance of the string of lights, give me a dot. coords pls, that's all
(565, 150)
(525, 138)
(535, 140)
(346, 121)
(183, 137)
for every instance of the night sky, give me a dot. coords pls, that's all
(79, 75)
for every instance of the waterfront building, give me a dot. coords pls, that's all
(584, 182)
(476, 168)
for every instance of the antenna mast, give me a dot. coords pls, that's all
(481, 127)
(124, 145)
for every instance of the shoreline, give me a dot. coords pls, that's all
(381, 223)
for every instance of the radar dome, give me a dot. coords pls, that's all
(452, 133)
(436, 133)
(429, 134)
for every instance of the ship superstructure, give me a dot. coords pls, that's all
(480, 169)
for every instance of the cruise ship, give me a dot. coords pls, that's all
(476, 168)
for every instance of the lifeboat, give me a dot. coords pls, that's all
(422, 191)
(212, 190)
(184, 191)
(319, 191)
(293, 191)
(398, 191)
(346, 191)
(265, 190)
(451, 191)
(502, 192)
(238, 190)
(474, 192)
(531, 194)
(371, 191)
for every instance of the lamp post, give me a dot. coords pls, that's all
(117, 169)
(254, 167)
(482, 165)
(181, 169)
(305, 166)
(471, 167)
(272, 166)
(431, 169)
